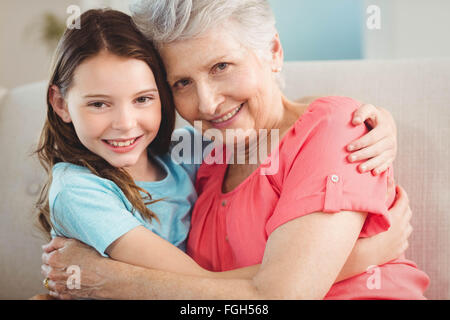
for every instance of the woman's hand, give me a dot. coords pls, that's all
(379, 145)
(60, 254)
(392, 244)
(385, 246)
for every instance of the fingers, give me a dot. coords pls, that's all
(382, 168)
(384, 145)
(402, 196)
(365, 112)
(53, 273)
(372, 163)
(55, 244)
(376, 164)
(408, 215)
(404, 247)
(401, 202)
(57, 282)
(379, 157)
(390, 187)
(53, 259)
(369, 152)
(60, 296)
(372, 137)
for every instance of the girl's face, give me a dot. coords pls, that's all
(115, 108)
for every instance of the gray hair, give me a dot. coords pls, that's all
(165, 21)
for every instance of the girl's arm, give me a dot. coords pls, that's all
(299, 262)
(106, 275)
(107, 278)
(141, 247)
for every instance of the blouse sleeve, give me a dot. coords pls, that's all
(319, 178)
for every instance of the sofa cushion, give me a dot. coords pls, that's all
(21, 119)
(417, 93)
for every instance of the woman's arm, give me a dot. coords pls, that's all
(284, 272)
(386, 246)
(376, 250)
(103, 276)
(141, 247)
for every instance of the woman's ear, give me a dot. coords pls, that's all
(58, 104)
(277, 54)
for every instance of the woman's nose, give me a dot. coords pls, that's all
(124, 118)
(209, 98)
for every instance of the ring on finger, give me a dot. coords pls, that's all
(45, 283)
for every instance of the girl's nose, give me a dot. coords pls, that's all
(124, 119)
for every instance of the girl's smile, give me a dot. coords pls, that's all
(122, 145)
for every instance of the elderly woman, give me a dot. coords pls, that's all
(301, 221)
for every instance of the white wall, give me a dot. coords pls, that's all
(410, 29)
(24, 58)
(121, 5)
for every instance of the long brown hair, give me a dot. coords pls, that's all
(113, 31)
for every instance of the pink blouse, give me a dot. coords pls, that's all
(230, 230)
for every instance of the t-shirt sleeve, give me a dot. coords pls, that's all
(93, 215)
(319, 178)
(187, 149)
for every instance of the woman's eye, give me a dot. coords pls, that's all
(181, 84)
(220, 66)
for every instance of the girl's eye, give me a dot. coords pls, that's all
(97, 105)
(143, 99)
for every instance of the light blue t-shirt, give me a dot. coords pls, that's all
(95, 211)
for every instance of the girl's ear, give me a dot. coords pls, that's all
(58, 104)
(277, 54)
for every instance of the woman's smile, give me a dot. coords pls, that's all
(227, 119)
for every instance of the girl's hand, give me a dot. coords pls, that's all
(391, 244)
(379, 145)
(62, 253)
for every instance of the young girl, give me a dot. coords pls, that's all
(105, 145)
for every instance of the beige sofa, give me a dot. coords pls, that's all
(417, 92)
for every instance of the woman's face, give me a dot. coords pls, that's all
(221, 83)
(115, 108)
